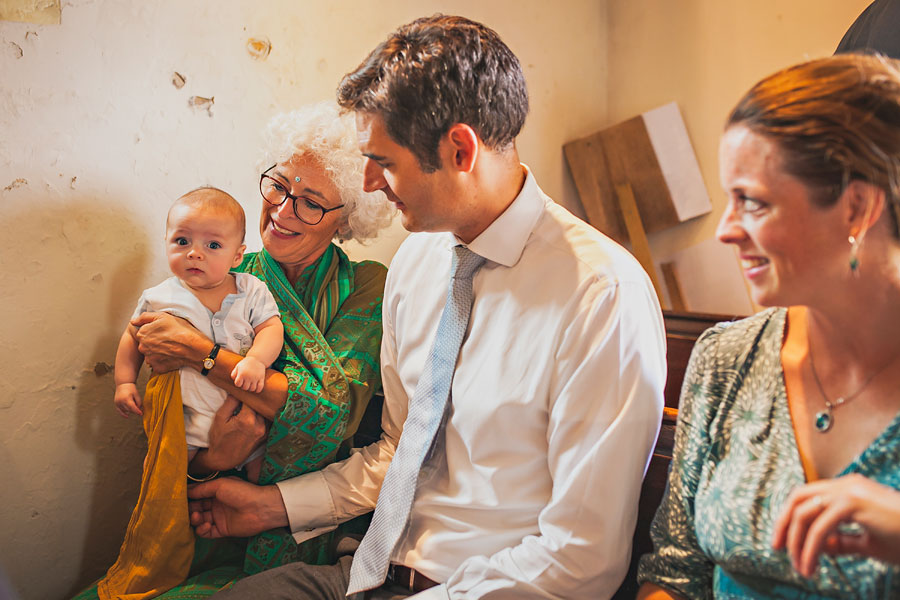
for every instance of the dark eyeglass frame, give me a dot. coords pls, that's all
(324, 211)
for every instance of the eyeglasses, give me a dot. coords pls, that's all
(275, 193)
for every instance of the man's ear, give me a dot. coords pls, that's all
(239, 256)
(865, 204)
(463, 146)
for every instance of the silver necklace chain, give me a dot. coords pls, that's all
(825, 418)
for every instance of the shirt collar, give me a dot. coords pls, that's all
(504, 240)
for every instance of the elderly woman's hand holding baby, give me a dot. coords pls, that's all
(168, 342)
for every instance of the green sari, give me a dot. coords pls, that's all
(332, 331)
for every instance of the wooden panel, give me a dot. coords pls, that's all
(632, 160)
(682, 331)
(640, 247)
(614, 156)
(587, 163)
(678, 351)
(673, 286)
(692, 324)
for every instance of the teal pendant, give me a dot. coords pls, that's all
(823, 421)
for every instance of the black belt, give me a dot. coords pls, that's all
(401, 576)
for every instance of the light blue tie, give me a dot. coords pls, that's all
(426, 410)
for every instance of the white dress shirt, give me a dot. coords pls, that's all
(556, 403)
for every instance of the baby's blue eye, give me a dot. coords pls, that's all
(181, 241)
(215, 245)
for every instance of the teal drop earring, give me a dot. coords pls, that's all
(854, 254)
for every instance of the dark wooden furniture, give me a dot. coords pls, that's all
(682, 330)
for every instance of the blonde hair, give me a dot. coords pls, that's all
(320, 130)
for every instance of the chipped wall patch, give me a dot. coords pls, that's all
(14, 50)
(200, 103)
(17, 183)
(178, 80)
(101, 369)
(259, 48)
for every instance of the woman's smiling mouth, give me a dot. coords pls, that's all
(749, 263)
(282, 230)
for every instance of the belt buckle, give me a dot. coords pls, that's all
(394, 576)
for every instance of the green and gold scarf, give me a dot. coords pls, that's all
(323, 399)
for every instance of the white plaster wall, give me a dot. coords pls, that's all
(104, 142)
(704, 54)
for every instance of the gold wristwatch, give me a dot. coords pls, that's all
(210, 361)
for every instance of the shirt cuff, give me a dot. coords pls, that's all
(308, 504)
(438, 592)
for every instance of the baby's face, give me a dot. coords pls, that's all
(202, 246)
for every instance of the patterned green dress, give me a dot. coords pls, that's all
(332, 328)
(735, 463)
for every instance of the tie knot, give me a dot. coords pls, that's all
(465, 263)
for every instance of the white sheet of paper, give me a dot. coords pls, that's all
(677, 161)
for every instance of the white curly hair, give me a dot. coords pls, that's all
(322, 131)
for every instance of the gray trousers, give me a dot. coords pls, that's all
(300, 581)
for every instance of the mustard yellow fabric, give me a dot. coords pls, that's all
(159, 542)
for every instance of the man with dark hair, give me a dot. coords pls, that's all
(420, 86)
(523, 359)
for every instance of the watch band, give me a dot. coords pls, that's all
(210, 361)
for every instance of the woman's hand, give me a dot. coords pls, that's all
(845, 515)
(169, 343)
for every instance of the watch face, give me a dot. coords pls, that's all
(208, 363)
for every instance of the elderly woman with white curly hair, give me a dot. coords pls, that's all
(311, 187)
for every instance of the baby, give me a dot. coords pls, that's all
(204, 241)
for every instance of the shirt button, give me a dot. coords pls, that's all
(217, 321)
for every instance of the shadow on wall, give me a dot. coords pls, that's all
(117, 445)
(15, 482)
(70, 274)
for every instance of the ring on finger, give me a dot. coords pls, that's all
(817, 501)
(850, 529)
